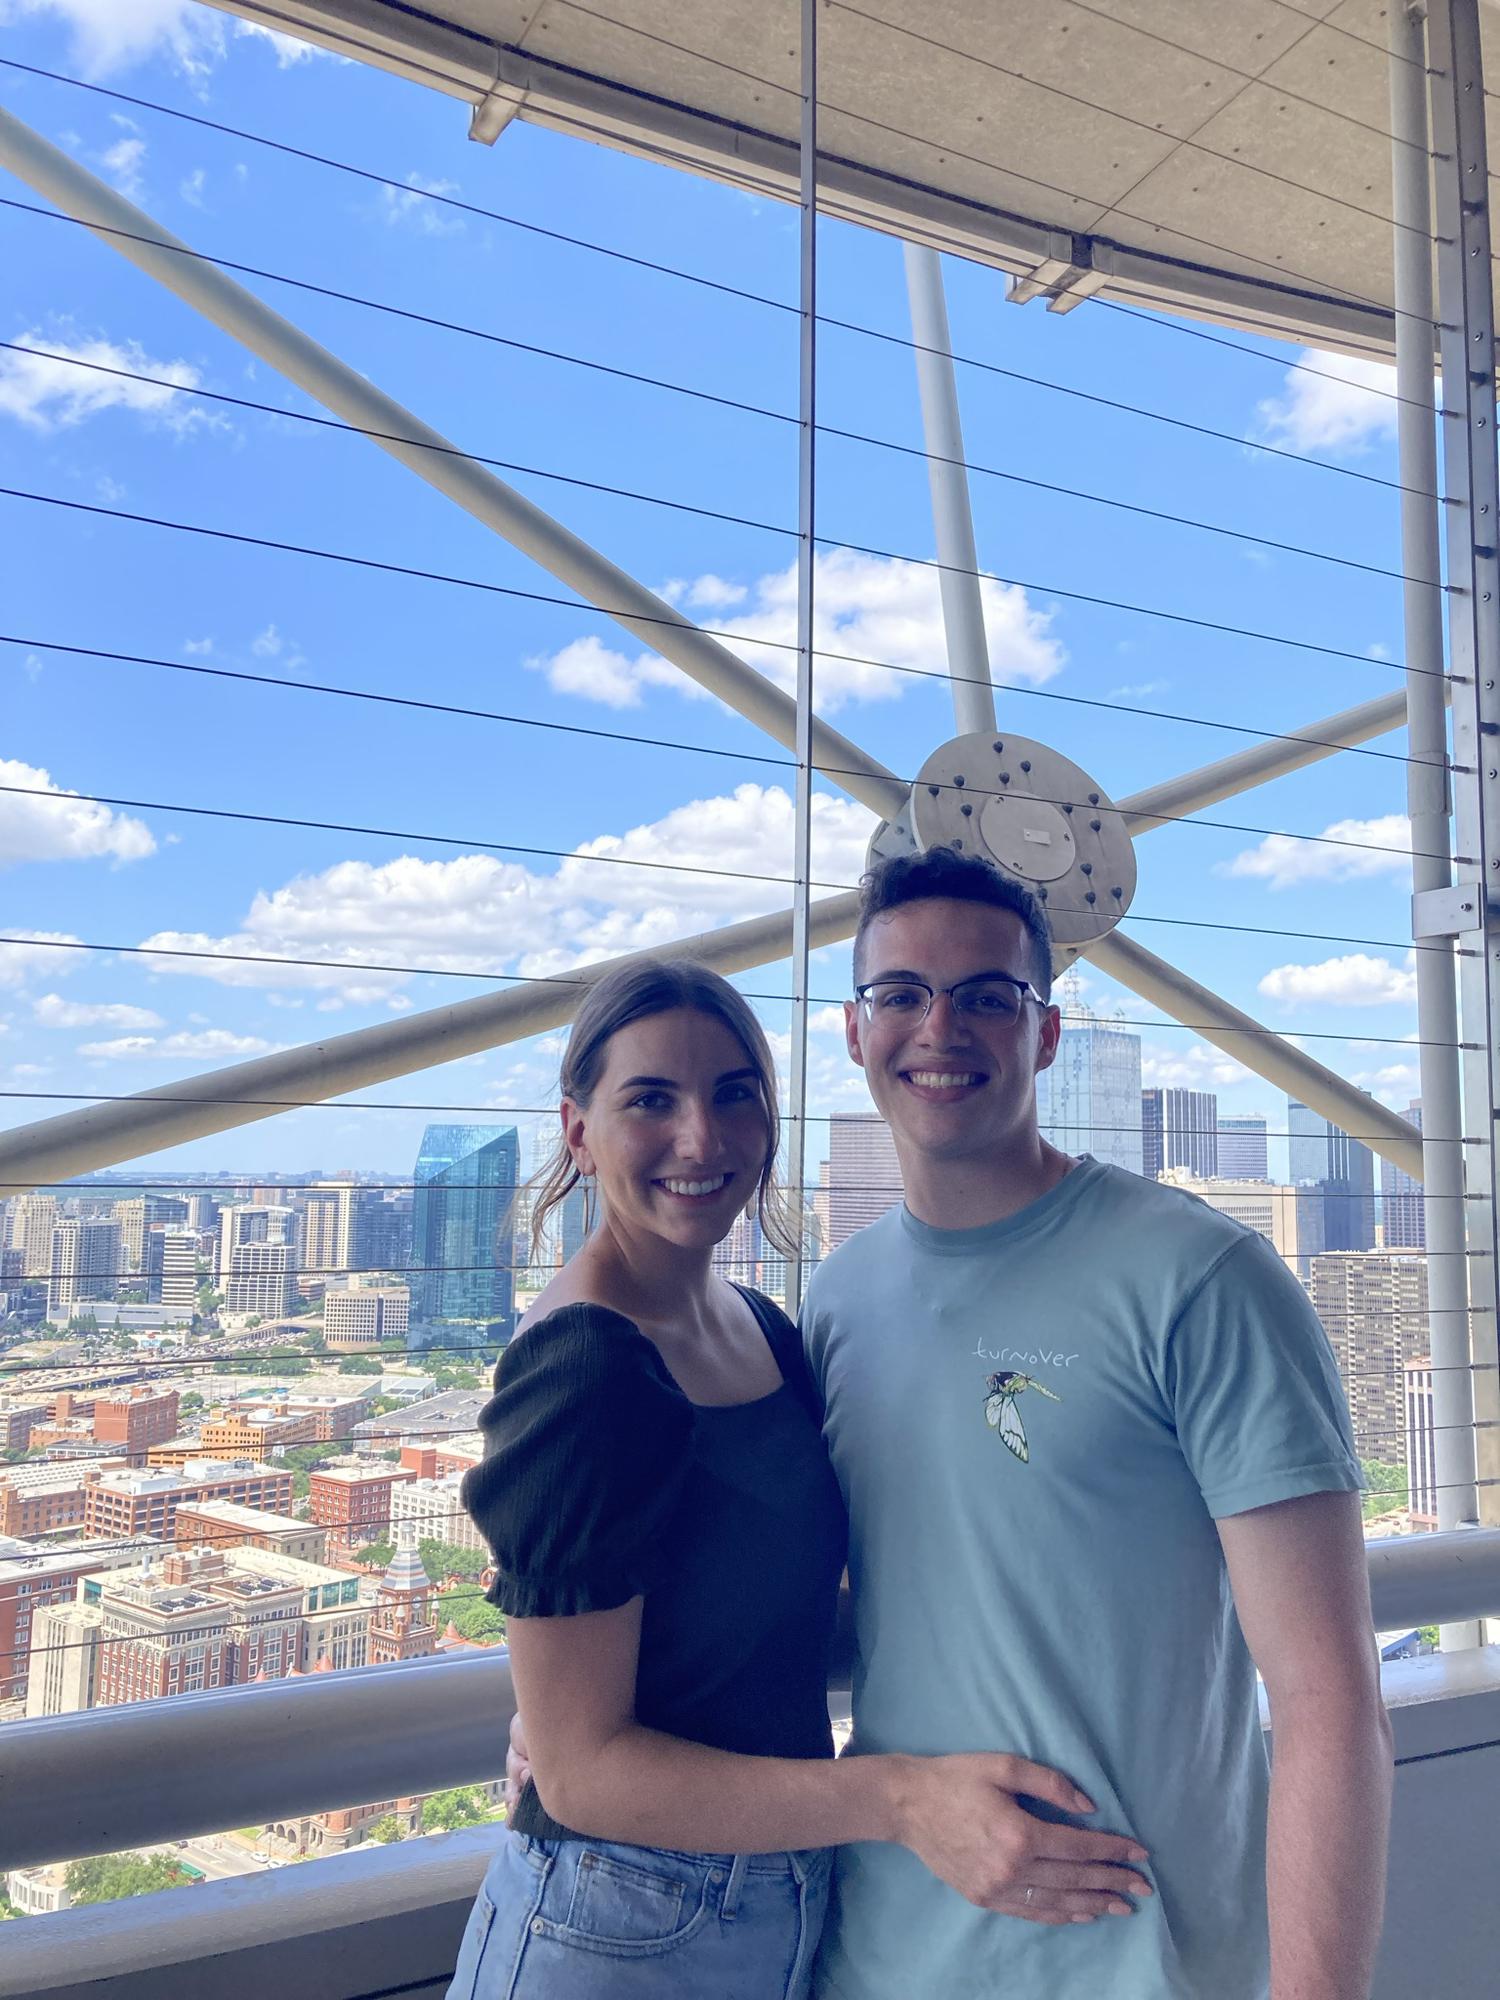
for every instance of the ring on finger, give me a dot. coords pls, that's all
(1028, 1896)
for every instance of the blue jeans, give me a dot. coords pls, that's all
(595, 1920)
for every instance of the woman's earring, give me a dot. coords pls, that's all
(587, 1181)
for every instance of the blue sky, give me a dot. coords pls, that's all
(76, 1021)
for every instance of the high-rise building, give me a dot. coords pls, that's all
(1089, 1101)
(863, 1175)
(1342, 1168)
(1179, 1128)
(262, 1280)
(32, 1577)
(1403, 1213)
(179, 1272)
(1242, 1147)
(1290, 1218)
(85, 1265)
(462, 1253)
(137, 1218)
(382, 1230)
(31, 1220)
(329, 1211)
(1373, 1306)
(254, 1222)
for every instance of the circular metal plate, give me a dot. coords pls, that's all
(1038, 817)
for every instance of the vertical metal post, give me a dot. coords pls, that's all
(1427, 792)
(1471, 486)
(807, 465)
(952, 513)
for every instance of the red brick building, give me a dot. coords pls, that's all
(28, 1581)
(403, 1626)
(135, 1421)
(193, 1624)
(144, 1502)
(353, 1501)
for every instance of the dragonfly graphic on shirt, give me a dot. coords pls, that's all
(1002, 1415)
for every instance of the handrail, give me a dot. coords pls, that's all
(166, 1770)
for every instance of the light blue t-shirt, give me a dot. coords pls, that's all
(1036, 1424)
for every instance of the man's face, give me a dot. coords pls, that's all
(953, 1085)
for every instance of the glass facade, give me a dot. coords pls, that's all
(1090, 1099)
(462, 1257)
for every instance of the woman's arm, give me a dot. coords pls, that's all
(600, 1772)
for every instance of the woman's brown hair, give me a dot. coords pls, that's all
(634, 993)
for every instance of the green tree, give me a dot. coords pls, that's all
(105, 1878)
(360, 1364)
(188, 1403)
(446, 1810)
(7, 1907)
(444, 1559)
(385, 1830)
(480, 1622)
(378, 1553)
(1388, 1487)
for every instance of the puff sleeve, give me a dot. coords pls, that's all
(587, 1443)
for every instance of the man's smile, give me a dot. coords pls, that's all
(945, 1085)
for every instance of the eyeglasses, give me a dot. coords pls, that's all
(993, 997)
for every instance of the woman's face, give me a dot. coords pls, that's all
(675, 1130)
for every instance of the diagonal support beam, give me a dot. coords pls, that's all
(433, 458)
(1260, 1049)
(102, 1135)
(1194, 790)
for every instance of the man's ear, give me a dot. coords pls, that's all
(851, 1032)
(1047, 1038)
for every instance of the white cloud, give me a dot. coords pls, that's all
(1395, 1084)
(50, 1010)
(124, 160)
(477, 913)
(33, 951)
(206, 1043)
(62, 826)
(1355, 980)
(1195, 1067)
(1137, 690)
(1376, 847)
(410, 207)
(868, 609)
(109, 35)
(45, 391)
(191, 187)
(197, 648)
(1329, 402)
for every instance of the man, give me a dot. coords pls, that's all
(1097, 1459)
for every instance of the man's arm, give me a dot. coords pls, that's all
(1301, 1589)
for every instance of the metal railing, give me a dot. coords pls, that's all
(167, 1770)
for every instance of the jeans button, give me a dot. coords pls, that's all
(538, 1927)
(716, 1876)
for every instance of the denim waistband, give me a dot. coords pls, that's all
(799, 1863)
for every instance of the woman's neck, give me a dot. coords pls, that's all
(646, 1278)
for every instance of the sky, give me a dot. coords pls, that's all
(716, 795)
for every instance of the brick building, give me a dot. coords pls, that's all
(137, 1502)
(353, 1501)
(225, 1524)
(403, 1626)
(136, 1420)
(32, 1578)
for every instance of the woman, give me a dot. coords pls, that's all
(668, 1539)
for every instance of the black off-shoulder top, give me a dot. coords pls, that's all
(602, 1482)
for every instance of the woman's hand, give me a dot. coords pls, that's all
(517, 1766)
(962, 1817)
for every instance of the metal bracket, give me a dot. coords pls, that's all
(1446, 913)
(1064, 279)
(493, 114)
